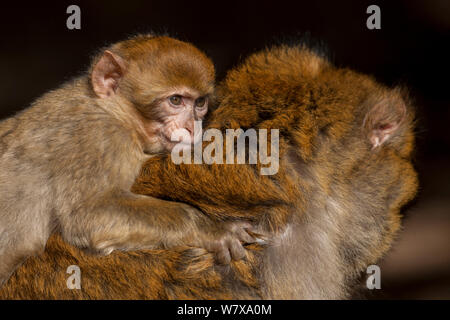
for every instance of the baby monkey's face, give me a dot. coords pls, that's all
(179, 112)
(174, 118)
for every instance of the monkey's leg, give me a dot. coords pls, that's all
(24, 228)
(17, 244)
(10, 259)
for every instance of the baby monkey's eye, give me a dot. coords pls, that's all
(200, 102)
(176, 100)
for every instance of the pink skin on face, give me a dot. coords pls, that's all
(182, 110)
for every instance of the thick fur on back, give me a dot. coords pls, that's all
(332, 209)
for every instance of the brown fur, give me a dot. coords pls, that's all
(331, 210)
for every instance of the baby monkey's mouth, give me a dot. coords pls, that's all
(183, 138)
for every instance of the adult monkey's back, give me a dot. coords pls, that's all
(331, 210)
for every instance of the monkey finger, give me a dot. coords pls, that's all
(259, 237)
(102, 252)
(237, 251)
(223, 255)
(262, 241)
(238, 225)
(244, 236)
(104, 248)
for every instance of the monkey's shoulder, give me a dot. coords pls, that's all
(66, 118)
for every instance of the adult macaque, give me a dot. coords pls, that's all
(68, 162)
(331, 210)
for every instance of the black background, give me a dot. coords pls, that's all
(412, 48)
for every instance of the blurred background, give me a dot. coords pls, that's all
(38, 53)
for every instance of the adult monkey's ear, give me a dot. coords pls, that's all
(385, 116)
(107, 73)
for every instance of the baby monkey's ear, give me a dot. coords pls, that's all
(385, 115)
(107, 73)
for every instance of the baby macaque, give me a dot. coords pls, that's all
(67, 163)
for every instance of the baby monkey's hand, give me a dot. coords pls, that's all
(227, 239)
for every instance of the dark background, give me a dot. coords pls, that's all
(38, 53)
